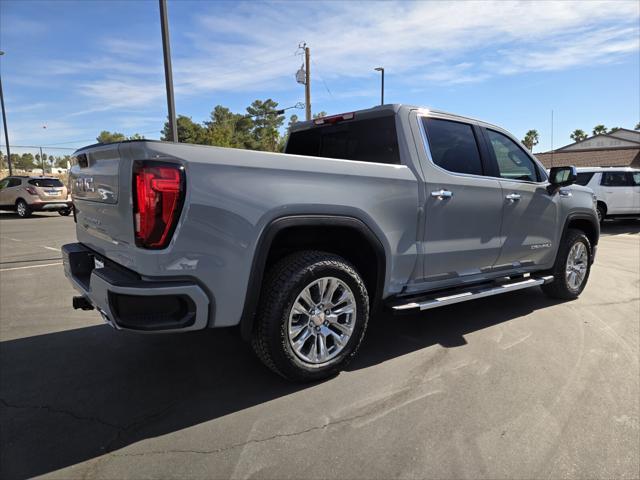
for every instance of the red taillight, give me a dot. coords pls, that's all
(158, 191)
(31, 190)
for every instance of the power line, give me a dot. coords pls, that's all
(322, 80)
(41, 146)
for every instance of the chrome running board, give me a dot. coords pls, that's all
(440, 299)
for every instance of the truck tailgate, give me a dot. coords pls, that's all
(101, 197)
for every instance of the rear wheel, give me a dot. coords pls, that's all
(22, 209)
(602, 212)
(65, 212)
(312, 317)
(572, 267)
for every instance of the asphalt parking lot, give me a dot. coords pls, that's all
(515, 386)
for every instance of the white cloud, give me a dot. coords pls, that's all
(252, 46)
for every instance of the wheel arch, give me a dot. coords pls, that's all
(588, 223)
(287, 234)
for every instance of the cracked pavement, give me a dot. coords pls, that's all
(516, 386)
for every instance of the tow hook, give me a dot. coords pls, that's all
(82, 303)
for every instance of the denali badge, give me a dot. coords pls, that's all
(84, 184)
(541, 245)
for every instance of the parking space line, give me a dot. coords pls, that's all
(30, 266)
(50, 248)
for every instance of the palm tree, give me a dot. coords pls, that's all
(578, 135)
(530, 139)
(613, 129)
(637, 127)
(599, 130)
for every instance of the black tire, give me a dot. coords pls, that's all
(560, 287)
(602, 212)
(65, 212)
(284, 282)
(22, 209)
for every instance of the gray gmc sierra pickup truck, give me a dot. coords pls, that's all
(393, 207)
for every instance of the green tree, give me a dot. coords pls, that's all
(110, 137)
(188, 131)
(320, 114)
(637, 127)
(22, 162)
(266, 122)
(221, 128)
(578, 135)
(136, 136)
(613, 129)
(293, 119)
(599, 129)
(530, 139)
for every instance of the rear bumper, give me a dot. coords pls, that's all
(127, 302)
(38, 206)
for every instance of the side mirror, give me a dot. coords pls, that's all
(562, 177)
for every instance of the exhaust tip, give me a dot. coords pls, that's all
(82, 303)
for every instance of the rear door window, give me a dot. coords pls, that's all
(636, 178)
(584, 178)
(368, 140)
(14, 182)
(453, 146)
(616, 179)
(45, 182)
(513, 162)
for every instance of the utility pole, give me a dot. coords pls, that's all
(307, 82)
(381, 70)
(42, 162)
(4, 122)
(168, 75)
(551, 138)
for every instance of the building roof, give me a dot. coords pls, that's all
(597, 157)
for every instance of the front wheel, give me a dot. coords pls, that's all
(572, 267)
(65, 212)
(312, 316)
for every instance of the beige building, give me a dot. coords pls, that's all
(616, 149)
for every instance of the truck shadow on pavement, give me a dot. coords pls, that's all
(72, 396)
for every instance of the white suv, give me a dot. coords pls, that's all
(617, 190)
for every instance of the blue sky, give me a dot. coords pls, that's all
(82, 67)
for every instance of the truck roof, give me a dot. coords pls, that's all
(387, 109)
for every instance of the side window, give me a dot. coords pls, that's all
(14, 182)
(615, 179)
(453, 146)
(513, 163)
(4, 183)
(636, 178)
(584, 178)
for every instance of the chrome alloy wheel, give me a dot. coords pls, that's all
(577, 264)
(22, 209)
(321, 320)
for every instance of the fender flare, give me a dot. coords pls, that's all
(263, 247)
(590, 217)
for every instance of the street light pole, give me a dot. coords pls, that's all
(381, 70)
(4, 122)
(168, 75)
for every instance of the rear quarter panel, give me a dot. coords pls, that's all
(233, 195)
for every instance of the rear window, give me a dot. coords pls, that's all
(584, 178)
(616, 179)
(453, 146)
(45, 182)
(372, 140)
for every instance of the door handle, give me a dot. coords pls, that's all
(442, 194)
(513, 197)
